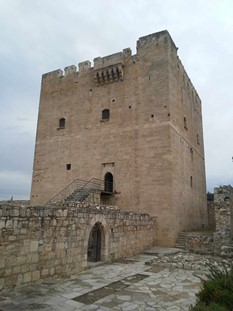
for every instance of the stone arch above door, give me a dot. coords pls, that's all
(100, 222)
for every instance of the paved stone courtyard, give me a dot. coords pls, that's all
(138, 283)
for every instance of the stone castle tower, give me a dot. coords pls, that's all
(133, 121)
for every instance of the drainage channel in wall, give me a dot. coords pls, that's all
(102, 292)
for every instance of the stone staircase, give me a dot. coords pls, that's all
(78, 191)
(181, 239)
(81, 195)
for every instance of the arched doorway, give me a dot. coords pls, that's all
(94, 244)
(108, 182)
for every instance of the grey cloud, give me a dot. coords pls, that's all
(40, 36)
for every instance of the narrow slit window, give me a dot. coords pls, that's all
(198, 141)
(105, 114)
(62, 123)
(185, 123)
(191, 181)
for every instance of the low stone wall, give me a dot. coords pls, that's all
(189, 261)
(15, 202)
(37, 242)
(220, 214)
(200, 242)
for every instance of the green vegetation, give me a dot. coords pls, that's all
(201, 306)
(217, 291)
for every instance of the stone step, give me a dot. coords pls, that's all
(157, 250)
(181, 239)
(180, 242)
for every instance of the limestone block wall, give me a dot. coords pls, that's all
(187, 149)
(151, 142)
(223, 204)
(38, 242)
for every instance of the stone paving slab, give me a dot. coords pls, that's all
(162, 251)
(124, 286)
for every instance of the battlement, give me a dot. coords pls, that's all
(157, 37)
(109, 68)
(111, 60)
(106, 69)
(112, 65)
(53, 74)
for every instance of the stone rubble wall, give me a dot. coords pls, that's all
(38, 242)
(189, 261)
(15, 202)
(210, 211)
(199, 242)
(219, 239)
(223, 206)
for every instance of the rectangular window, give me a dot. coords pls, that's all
(105, 114)
(185, 123)
(68, 167)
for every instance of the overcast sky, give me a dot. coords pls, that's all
(38, 36)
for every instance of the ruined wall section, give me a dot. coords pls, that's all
(223, 236)
(211, 211)
(39, 242)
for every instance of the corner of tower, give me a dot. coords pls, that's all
(161, 38)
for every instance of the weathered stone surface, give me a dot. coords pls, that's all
(56, 243)
(218, 240)
(189, 261)
(151, 142)
(223, 204)
(124, 285)
(197, 242)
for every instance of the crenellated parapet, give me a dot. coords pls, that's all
(52, 74)
(70, 70)
(106, 69)
(161, 37)
(109, 69)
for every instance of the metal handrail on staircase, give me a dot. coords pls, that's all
(64, 193)
(92, 186)
(78, 190)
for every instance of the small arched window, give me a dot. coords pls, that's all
(108, 182)
(62, 123)
(105, 114)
